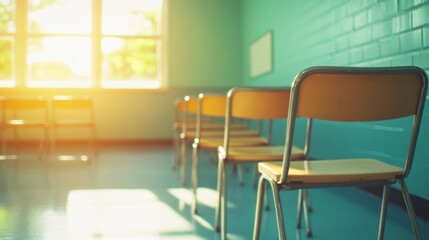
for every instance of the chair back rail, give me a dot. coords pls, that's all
(357, 94)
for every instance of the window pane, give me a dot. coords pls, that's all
(131, 17)
(59, 61)
(130, 61)
(7, 16)
(6, 60)
(71, 16)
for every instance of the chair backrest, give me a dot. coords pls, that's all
(357, 94)
(25, 109)
(209, 105)
(256, 103)
(192, 105)
(72, 108)
(70, 102)
(212, 105)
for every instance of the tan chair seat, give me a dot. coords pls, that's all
(214, 142)
(221, 132)
(331, 171)
(217, 125)
(261, 153)
(26, 123)
(73, 123)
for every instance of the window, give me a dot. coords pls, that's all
(82, 44)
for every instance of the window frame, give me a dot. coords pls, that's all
(21, 36)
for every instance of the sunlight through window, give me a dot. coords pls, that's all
(82, 44)
(123, 214)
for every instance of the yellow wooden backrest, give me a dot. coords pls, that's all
(259, 103)
(213, 105)
(24, 103)
(193, 105)
(180, 105)
(67, 102)
(359, 97)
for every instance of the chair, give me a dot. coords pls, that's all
(185, 129)
(25, 113)
(347, 94)
(74, 112)
(256, 104)
(184, 121)
(179, 110)
(212, 105)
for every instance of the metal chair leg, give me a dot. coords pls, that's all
(258, 209)
(278, 209)
(195, 176)
(223, 203)
(306, 213)
(267, 204)
(410, 209)
(182, 160)
(299, 208)
(240, 175)
(384, 203)
(175, 162)
(307, 199)
(220, 192)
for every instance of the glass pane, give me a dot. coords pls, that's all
(6, 62)
(59, 61)
(130, 60)
(59, 16)
(7, 16)
(131, 17)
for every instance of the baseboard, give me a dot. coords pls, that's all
(420, 204)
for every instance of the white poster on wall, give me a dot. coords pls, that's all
(261, 55)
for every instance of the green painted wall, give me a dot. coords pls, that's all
(204, 40)
(348, 33)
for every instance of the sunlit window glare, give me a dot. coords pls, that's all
(48, 68)
(6, 62)
(63, 44)
(71, 16)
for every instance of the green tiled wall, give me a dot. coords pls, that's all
(347, 33)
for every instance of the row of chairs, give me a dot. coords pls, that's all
(234, 142)
(341, 94)
(40, 115)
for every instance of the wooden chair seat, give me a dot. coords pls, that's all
(260, 153)
(72, 123)
(220, 132)
(26, 123)
(214, 142)
(217, 126)
(331, 171)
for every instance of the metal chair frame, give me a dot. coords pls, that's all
(214, 105)
(82, 112)
(25, 113)
(353, 95)
(262, 104)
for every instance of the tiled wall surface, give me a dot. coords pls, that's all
(347, 33)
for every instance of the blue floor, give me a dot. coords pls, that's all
(133, 193)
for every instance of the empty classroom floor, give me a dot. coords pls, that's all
(132, 192)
